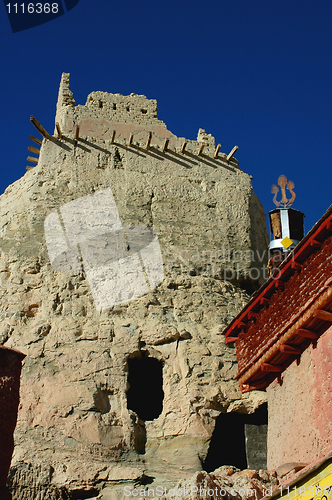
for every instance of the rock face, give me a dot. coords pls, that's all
(121, 394)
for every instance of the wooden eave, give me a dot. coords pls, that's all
(306, 327)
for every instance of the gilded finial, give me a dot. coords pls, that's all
(283, 183)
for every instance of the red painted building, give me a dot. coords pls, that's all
(283, 341)
(10, 373)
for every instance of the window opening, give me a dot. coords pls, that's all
(145, 394)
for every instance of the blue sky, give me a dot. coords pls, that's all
(252, 73)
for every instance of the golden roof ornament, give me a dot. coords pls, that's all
(283, 183)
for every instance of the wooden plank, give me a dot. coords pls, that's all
(39, 127)
(325, 315)
(200, 149)
(231, 339)
(34, 139)
(264, 301)
(252, 314)
(183, 147)
(266, 367)
(113, 136)
(130, 139)
(217, 151)
(29, 168)
(77, 133)
(165, 145)
(33, 160)
(148, 142)
(315, 243)
(232, 153)
(289, 349)
(34, 150)
(309, 334)
(58, 130)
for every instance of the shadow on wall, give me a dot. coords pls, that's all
(239, 440)
(10, 373)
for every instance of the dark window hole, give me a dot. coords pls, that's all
(100, 104)
(114, 105)
(145, 394)
(144, 111)
(239, 440)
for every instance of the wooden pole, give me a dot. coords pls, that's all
(183, 147)
(217, 151)
(34, 150)
(34, 139)
(29, 168)
(148, 142)
(58, 130)
(32, 159)
(113, 136)
(200, 150)
(232, 153)
(77, 133)
(165, 145)
(130, 139)
(39, 127)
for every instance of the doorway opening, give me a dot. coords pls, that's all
(240, 440)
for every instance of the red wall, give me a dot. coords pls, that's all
(300, 407)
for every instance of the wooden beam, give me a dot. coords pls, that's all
(252, 314)
(296, 265)
(289, 349)
(217, 151)
(34, 139)
(315, 243)
(34, 150)
(231, 339)
(39, 127)
(113, 136)
(77, 133)
(183, 147)
(165, 146)
(253, 386)
(33, 160)
(266, 367)
(309, 334)
(200, 149)
(325, 315)
(58, 130)
(232, 153)
(29, 168)
(148, 142)
(130, 139)
(264, 301)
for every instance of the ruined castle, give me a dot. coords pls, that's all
(128, 392)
